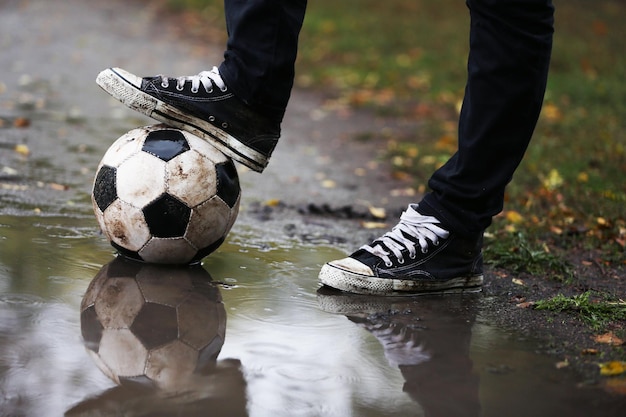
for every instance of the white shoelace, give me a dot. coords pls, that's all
(420, 227)
(206, 78)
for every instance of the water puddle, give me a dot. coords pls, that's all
(248, 333)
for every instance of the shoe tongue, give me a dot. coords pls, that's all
(365, 257)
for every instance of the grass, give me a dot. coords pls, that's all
(406, 59)
(515, 253)
(595, 313)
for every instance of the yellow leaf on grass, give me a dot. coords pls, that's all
(514, 217)
(551, 112)
(612, 368)
(553, 181)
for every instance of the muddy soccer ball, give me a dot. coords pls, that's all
(155, 325)
(162, 195)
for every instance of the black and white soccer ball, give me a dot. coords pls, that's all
(160, 326)
(162, 195)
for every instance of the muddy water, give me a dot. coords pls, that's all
(289, 348)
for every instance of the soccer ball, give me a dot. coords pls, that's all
(162, 195)
(153, 325)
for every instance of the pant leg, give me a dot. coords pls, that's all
(510, 47)
(261, 51)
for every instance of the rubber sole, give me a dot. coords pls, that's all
(348, 281)
(125, 87)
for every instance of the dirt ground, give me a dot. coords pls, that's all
(321, 183)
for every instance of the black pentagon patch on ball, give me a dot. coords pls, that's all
(165, 144)
(155, 325)
(228, 188)
(167, 216)
(91, 328)
(105, 187)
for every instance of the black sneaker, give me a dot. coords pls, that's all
(416, 256)
(202, 105)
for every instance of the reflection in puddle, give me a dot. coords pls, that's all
(287, 348)
(157, 332)
(428, 339)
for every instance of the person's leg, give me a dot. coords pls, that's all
(437, 244)
(510, 46)
(239, 106)
(261, 51)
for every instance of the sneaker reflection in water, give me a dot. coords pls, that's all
(427, 338)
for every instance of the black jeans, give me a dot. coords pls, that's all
(510, 47)
(262, 45)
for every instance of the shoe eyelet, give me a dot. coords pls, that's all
(211, 118)
(180, 87)
(401, 261)
(164, 84)
(224, 125)
(424, 250)
(412, 256)
(389, 264)
(194, 90)
(223, 90)
(436, 243)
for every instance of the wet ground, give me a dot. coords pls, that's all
(283, 346)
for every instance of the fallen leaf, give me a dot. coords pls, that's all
(526, 304)
(329, 184)
(22, 149)
(378, 212)
(374, 225)
(553, 180)
(551, 112)
(514, 217)
(58, 187)
(562, 364)
(403, 192)
(589, 351)
(272, 202)
(21, 122)
(612, 368)
(517, 281)
(608, 339)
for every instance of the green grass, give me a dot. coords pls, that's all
(515, 253)
(595, 313)
(407, 59)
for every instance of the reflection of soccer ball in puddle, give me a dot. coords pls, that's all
(162, 195)
(153, 325)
